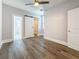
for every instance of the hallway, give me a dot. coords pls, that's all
(36, 48)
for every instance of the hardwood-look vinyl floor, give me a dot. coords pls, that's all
(36, 48)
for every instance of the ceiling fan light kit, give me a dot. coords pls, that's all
(37, 3)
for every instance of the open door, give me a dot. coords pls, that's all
(33, 26)
(29, 30)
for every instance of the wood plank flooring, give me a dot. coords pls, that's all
(36, 48)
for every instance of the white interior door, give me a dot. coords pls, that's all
(29, 27)
(73, 28)
(17, 27)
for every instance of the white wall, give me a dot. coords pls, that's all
(0, 21)
(55, 21)
(8, 12)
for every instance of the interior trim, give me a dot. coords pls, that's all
(57, 41)
(1, 44)
(7, 41)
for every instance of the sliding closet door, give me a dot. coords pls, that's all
(29, 32)
(0, 21)
(73, 28)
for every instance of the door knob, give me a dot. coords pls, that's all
(69, 31)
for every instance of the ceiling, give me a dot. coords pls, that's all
(21, 4)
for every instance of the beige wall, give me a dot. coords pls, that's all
(55, 20)
(8, 12)
(36, 26)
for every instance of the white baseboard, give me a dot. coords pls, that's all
(0, 45)
(27, 37)
(24, 37)
(60, 42)
(73, 48)
(57, 41)
(7, 41)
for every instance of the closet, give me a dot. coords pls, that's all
(73, 29)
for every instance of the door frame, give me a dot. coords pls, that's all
(24, 24)
(13, 25)
(70, 30)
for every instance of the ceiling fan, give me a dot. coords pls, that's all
(36, 3)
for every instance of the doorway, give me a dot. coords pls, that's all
(17, 35)
(33, 26)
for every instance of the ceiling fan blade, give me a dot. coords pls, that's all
(44, 2)
(30, 4)
(36, 0)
